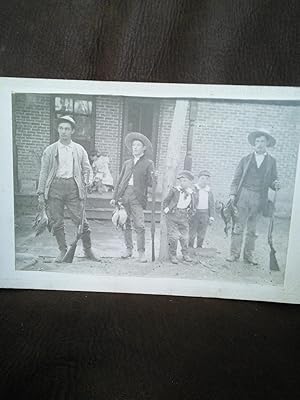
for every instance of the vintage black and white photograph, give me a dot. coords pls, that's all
(154, 187)
(151, 185)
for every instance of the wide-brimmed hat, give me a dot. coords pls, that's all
(204, 172)
(271, 141)
(66, 118)
(130, 137)
(185, 174)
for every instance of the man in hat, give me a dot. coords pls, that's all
(131, 190)
(255, 174)
(204, 207)
(65, 173)
(178, 207)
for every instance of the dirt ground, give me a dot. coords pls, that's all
(38, 254)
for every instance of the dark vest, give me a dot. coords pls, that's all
(254, 179)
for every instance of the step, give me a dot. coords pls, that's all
(106, 214)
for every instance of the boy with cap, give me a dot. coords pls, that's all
(177, 206)
(204, 207)
(65, 175)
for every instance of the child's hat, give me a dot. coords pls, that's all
(204, 172)
(185, 174)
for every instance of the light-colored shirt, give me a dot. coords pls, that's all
(65, 160)
(203, 198)
(135, 160)
(259, 158)
(184, 199)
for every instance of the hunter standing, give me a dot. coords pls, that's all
(255, 174)
(65, 171)
(131, 190)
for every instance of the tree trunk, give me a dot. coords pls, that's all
(171, 166)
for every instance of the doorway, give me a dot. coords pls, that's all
(140, 115)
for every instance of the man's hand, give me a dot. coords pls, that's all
(211, 220)
(41, 201)
(276, 185)
(113, 202)
(232, 198)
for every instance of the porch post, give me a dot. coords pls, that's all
(171, 166)
(188, 161)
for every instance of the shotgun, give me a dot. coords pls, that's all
(154, 182)
(69, 256)
(273, 264)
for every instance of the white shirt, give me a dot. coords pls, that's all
(65, 160)
(184, 200)
(259, 158)
(135, 160)
(203, 198)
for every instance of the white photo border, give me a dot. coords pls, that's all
(10, 278)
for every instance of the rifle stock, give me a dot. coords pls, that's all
(153, 218)
(273, 263)
(69, 256)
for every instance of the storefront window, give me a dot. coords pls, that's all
(81, 109)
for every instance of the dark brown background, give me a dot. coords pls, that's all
(67, 345)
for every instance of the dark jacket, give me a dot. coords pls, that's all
(211, 202)
(142, 178)
(172, 198)
(268, 181)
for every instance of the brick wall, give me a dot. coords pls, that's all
(32, 135)
(109, 116)
(220, 140)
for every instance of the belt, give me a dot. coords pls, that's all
(65, 179)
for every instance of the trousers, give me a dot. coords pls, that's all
(64, 193)
(198, 227)
(248, 206)
(135, 217)
(178, 229)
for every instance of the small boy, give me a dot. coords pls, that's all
(204, 207)
(103, 180)
(177, 206)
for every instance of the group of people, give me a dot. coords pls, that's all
(66, 174)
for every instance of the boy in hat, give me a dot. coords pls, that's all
(204, 207)
(131, 190)
(256, 173)
(65, 171)
(177, 206)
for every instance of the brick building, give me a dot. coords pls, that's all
(219, 133)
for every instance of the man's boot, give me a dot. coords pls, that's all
(87, 246)
(173, 259)
(249, 259)
(187, 258)
(127, 253)
(62, 245)
(142, 258)
(232, 258)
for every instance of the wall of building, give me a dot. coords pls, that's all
(32, 135)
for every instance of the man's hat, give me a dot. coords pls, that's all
(66, 118)
(130, 137)
(204, 172)
(185, 174)
(271, 141)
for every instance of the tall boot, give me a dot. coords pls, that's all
(87, 246)
(62, 245)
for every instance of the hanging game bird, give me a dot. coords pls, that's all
(229, 214)
(119, 216)
(41, 222)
